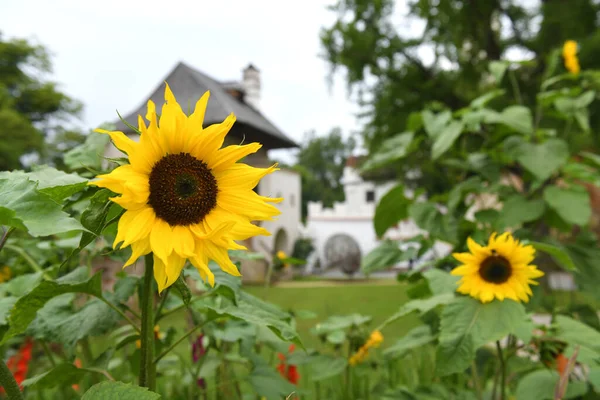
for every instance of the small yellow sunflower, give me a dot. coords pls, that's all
(281, 255)
(570, 56)
(499, 270)
(185, 197)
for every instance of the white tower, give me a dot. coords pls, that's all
(251, 83)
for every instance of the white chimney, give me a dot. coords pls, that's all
(251, 83)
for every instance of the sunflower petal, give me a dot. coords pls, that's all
(221, 257)
(161, 239)
(228, 156)
(138, 249)
(120, 140)
(160, 274)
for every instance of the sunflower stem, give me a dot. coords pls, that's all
(147, 366)
(8, 382)
(502, 371)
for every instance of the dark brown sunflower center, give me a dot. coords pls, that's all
(495, 269)
(183, 189)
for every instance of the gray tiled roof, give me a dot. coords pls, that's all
(189, 84)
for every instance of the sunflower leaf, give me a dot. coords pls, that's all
(467, 324)
(119, 390)
(26, 308)
(392, 208)
(558, 254)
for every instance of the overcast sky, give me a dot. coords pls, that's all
(112, 54)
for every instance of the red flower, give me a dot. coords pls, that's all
(19, 363)
(289, 372)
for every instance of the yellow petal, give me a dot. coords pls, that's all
(220, 256)
(242, 176)
(140, 226)
(183, 241)
(160, 274)
(196, 120)
(205, 144)
(226, 157)
(201, 264)
(120, 140)
(138, 249)
(161, 239)
(243, 228)
(173, 268)
(250, 205)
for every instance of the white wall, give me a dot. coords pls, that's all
(286, 184)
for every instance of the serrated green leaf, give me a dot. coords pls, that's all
(594, 378)
(392, 149)
(446, 139)
(577, 333)
(421, 305)
(386, 255)
(441, 282)
(572, 204)
(325, 366)
(89, 154)
(455, 354)
(518, 210)
(58, 185)
(558, 254)
(392, 208)
(416, 337)
(26, 307)
(435, 123)
(118, 390)
(255, 311)
(6, 304)
(544, 159)
(541, 385)
(62, 375)
(26, 208)
(21, 284)
(93, 218)
(469, 321)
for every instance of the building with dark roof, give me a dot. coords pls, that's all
(243, 99)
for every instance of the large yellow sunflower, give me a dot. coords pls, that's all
(185, 197)
(499, 270)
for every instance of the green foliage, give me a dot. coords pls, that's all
(119, 390)
(320, 162)
(391, 209)
(27, 102)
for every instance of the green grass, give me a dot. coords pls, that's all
(367, 298)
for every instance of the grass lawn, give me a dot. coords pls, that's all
(376, 298)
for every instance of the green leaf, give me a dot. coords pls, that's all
(466, 324)
(421, 305)
(518, 210)
(89, 154)
(435, 123)
(454, 355)
(498, 69)
(541, 384)
(325, 366)
(340, 322)
(62, 375)
(255, 311)
(118, 390)
(518, 118)
(387, 254)
(21, 284)
(459, 191)
(577, 333)
(427, 216)
(446, 139)
(416, 337)
(27, 306)
(482, 101)
(441, 282)
(392, 208)
(6, 304)
(24, 207)
(336, 337)
(594, 159)
(183, 289)
(93, 218)
(583, 119)
(559, 254)
(594, 378)
(572, 204)
(58, 185)
(544, 159)
(392, 149)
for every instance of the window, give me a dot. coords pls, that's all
(370, 196)
(292, 200)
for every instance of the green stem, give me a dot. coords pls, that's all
(185, 335)
(502, 372)
(161, 305)
(147, 334)
(476, 382)
(7, 381)
(48, 353)
(175, 309)
(122, 314)
(515, 86)
(32, 263)
(5, 236)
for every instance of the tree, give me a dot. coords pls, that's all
(321, 162)
(464, 36)
(31, 107)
